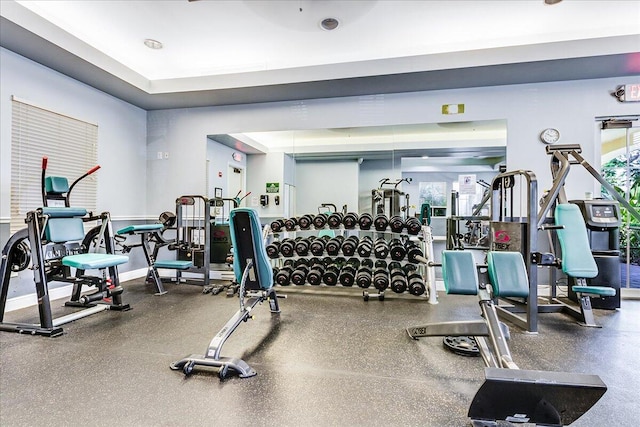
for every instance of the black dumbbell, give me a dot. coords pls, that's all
(283, 277)
(413, 252)
(365, 221)
(320, 220)
(301, 261)
(393, 265)
(367, 263)
(302, 246)
(380, 263)
(398, 280)
(290, 224)
(317, 245)
(416, 284)
(396, 224)
(305, 221)
(364, 247)
(330, 276)
(334, 220)
(277, 225)
(413, 226)
(381, 249)
(349, 245)
(381, 279)
(273, 249)
(347, 275)
(350, 220)
(397, 250)
(299, 276)
(333, 245)
(381, 222)
(363, 277)
(314, 277)
(287, 247)
(408, 268)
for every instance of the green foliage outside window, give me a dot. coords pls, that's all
(615, 172)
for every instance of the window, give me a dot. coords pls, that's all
(71, 146)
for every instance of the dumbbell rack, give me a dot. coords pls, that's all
(382, 264)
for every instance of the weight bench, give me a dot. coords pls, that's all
(253, 271)
(508, 393)
(146, 232)
(577, 261)
(54, 234)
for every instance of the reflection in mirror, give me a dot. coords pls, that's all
(344, 166)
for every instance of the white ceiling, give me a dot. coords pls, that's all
(222, 38)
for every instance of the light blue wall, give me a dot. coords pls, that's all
(220, 157)
(569, 106)
(122, 144)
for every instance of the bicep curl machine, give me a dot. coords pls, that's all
(508, 393)
(253, 271)
(51, 244)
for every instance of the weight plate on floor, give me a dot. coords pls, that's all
(463, 346)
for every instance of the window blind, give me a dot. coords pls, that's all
(71, 146)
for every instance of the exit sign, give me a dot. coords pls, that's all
(630, 93)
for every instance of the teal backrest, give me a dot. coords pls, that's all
(64, 224)
(508, 274)
(577, 260)
(246, 238)
(56, 185)
(459, 273)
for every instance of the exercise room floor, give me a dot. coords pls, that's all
(325, 360)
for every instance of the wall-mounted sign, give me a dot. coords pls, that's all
(273, 187)
(628, 93)
(237, 156)
(453, 109)
(467, 184)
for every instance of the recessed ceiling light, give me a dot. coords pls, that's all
(550, 2)
(329, 24)
(152, 44)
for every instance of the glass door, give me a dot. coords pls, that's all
(620, 162)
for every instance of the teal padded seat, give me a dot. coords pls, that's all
(577, 260)
(142, 228)
(94, 261)
(508, 274)
(459, 272)
(173, 264)
(602, 291)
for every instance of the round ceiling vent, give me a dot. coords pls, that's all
(329, 24)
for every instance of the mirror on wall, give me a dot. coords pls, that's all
(344, 166)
